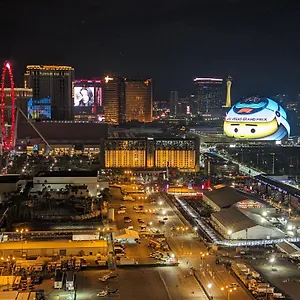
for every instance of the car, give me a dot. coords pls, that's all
(135, 207)
(102, 293)
(105, 276)
(106, 292)
(130, 227)
(233, 285)
(108, 276)
(120, 245)
(165, 218)
(121, 212)
(120, 254)
(118, 249)
(127, 221)
(122, 207)
(141, 207)
(141, 220)
(162, 222)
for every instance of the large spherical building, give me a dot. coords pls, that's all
(257, 119)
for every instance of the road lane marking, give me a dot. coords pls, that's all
(165, 285)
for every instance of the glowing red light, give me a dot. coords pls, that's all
(7, 144)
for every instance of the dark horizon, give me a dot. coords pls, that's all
(171, 41)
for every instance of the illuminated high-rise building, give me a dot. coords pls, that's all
(209, 94)
(55, 84)
(228, 91)
(114, 100)
(173, 103)
(138, 100)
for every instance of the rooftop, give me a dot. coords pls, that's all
(68, 174)
(281, 187)
(225, 196)
(233, 219)
(60, 244)
(10, 178)
(288, 248)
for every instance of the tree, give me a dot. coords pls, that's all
(106, 195)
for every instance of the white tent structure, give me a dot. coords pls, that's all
(126, 235)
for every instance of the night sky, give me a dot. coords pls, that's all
(257, 42)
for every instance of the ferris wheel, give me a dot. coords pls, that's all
(8, 109)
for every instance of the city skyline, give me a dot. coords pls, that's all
(252, 41)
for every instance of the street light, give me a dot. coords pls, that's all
(22, 231)
(209, 286)
(272, 260)
(228, 291)
(229, 232)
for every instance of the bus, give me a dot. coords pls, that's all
(70, 281)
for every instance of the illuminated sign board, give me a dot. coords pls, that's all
(39, 108)
(257, 119)
(107, 79)
(84, 96)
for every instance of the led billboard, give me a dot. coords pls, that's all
(39, 108)
(84, 96)
(257, 119)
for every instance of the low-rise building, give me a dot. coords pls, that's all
(57, 180)
(222, 197)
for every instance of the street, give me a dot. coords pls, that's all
(185, 245)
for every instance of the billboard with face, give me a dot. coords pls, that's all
(84, 96)
(257, 119)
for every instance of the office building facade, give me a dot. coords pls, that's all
(114, 100)
(209, 94)
(152, 153)
(55, 84)
(139, 100)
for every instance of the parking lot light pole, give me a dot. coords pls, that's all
(209, 286)
(22, 231)
(229, 291)
(229, 232)
(272, 260)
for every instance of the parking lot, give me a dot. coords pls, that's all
(141, 283)
(150, 216)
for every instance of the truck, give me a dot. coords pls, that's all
(58, 280)
(126, 261)
(70, 281)
(85, 237)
